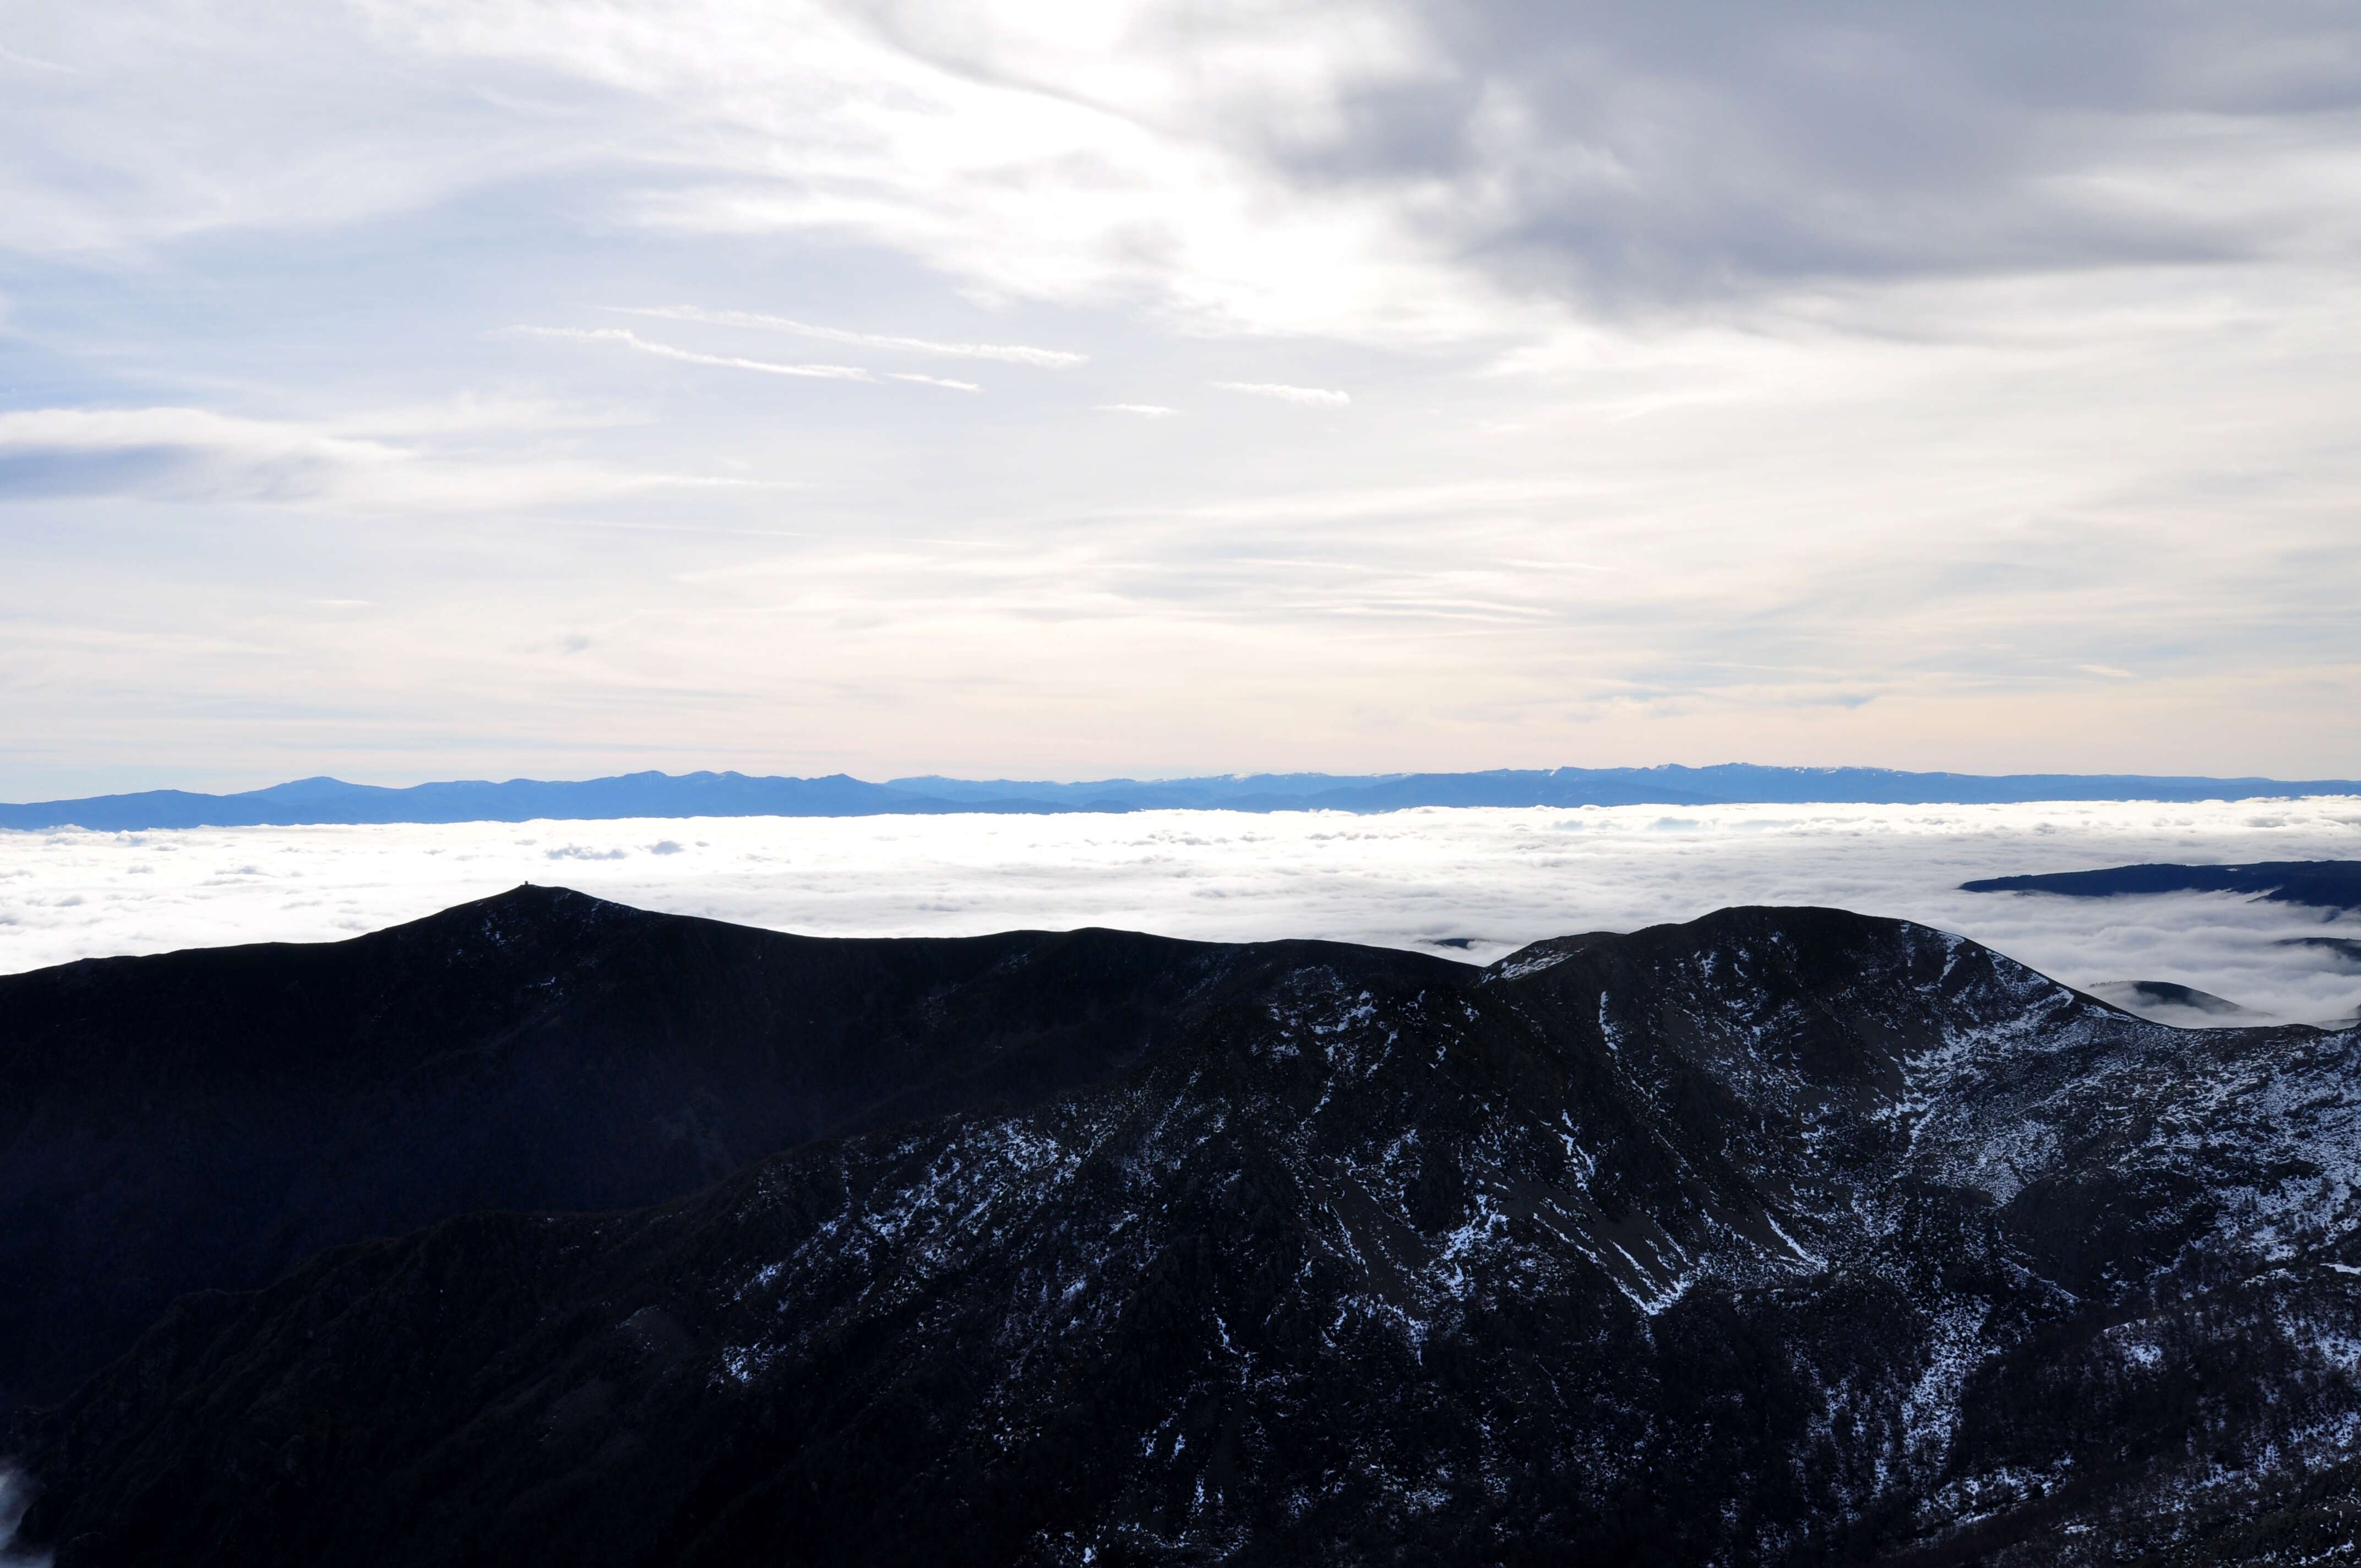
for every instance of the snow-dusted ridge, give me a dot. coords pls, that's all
(1780, 1235)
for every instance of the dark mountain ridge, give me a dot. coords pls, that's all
(1785, 1236)
(656, 794)
(2316, 885)
(205, 1119)
(2170, 997)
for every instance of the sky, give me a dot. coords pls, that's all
(1491, 878)
(408, 390)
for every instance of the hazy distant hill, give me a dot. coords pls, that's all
(326, 800)
(2318, 885)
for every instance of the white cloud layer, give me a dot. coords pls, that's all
(1497, 878)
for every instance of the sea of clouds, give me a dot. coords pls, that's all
(1483, 881)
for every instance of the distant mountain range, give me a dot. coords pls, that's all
(1784, 1237)
(327, 800)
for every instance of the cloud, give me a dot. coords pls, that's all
(1703, 151)
(1904, 356)
(1393, 171)
(731, 361)
(666, 351)
(1145, 411)
(1031, 157)
(33, 63)
(16, 1497)
(1284, 393)
(1414, 878)
(184, 450)
(1010, 353)
(1396, 169)
(194, 455)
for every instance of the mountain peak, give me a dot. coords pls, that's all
(1766, 1238)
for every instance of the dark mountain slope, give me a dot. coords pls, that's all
(1785, 1236)
(2170, 1001)
(205, 1119)
(2318, 885)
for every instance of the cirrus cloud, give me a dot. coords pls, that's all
(633, 340)
(1008, 353)
(1285, 394)
(189, 454)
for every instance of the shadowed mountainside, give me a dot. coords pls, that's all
(205, 1119)
(1785, 1236)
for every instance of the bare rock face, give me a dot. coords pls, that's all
(1785, 1236)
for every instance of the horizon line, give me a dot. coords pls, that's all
(323, 800)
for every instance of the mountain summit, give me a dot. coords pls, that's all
(1784, 1236)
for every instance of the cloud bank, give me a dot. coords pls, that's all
(1485, 880)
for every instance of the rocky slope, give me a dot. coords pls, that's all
(1785, 1236)
(206, 1119)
